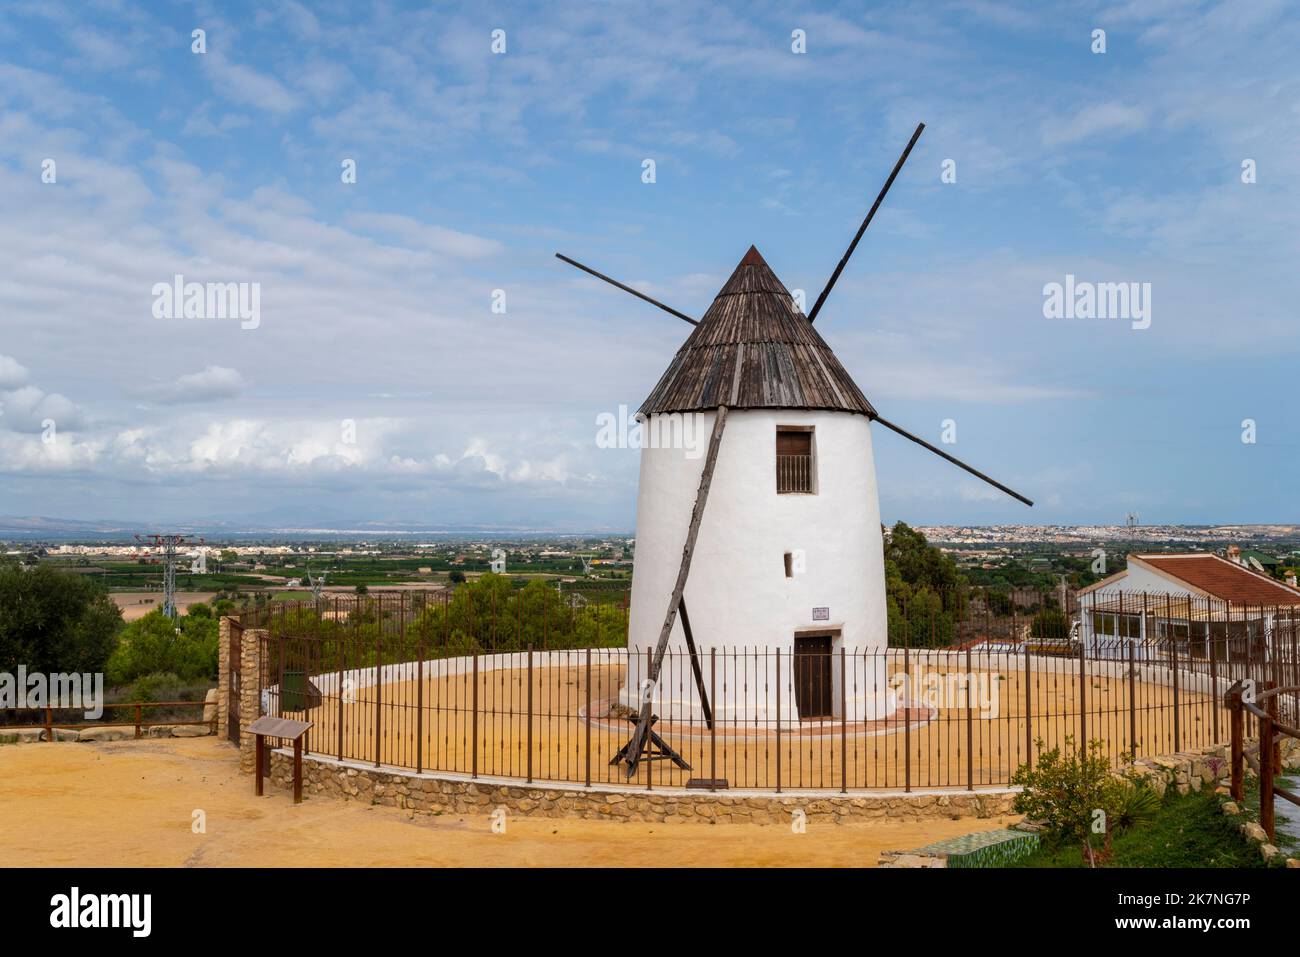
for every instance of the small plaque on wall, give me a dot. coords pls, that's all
(821, 614)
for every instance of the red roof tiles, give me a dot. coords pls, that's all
(1223, 579)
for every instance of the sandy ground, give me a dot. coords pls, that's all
(131, 804)
(137, 604)
(950, 749)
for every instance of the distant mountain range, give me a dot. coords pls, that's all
(45, 528)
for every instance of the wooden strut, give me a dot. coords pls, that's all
(631, 753)
(705, 704)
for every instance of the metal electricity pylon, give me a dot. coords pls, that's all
(168, 548)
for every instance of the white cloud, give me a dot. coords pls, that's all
(214, 382)
(12, 373)
(1104, 122)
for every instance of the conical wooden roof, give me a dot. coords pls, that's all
(754, 350)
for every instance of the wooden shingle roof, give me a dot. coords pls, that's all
(754, 350)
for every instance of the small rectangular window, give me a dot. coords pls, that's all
(789, 565)
(795, 471)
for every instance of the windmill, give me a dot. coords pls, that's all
(796, 489)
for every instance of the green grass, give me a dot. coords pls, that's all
(1190, 830)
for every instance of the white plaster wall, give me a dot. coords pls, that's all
(737, 594)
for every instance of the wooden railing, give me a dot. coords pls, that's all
(1265, 756)
(50, 724)
(794, 473)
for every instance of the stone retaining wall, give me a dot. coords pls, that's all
(429, 793)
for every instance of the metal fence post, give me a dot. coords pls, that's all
(529, 732)
(473, 772)
(844, 728)
(419, 707)
(1083, 698)
(1132, 700)
(713, 725)
(778, 721)
(1173, 645)
(1029, 710)
(588, 713)
(970, 730)
(1237, 756)
(379, 693)
(907, 723)
(1214, 671)
(343, 662)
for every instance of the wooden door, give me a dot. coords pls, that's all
(812, 676)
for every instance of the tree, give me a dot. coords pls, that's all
(155, 644)
(54, 621)
(924, 598)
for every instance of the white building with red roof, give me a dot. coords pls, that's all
(1191, 605)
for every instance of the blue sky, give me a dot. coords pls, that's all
(474, 168)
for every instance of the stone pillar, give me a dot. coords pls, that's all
(223, 673)
(250, 695)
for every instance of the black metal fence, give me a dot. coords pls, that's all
(429, 685)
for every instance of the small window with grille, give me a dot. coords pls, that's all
(795, 465)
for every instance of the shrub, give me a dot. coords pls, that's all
(1077, 798)
(159, 686)
(186, 647)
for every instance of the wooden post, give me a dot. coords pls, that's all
(139, 718)
(49, 723)
(297, 770)
(261, 763)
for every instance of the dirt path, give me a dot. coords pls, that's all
(131, 804)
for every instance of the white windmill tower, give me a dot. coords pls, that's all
(789, 555)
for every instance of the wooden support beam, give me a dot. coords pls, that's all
(635, 745)
(705, 705)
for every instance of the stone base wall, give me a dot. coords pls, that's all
(428, 793)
